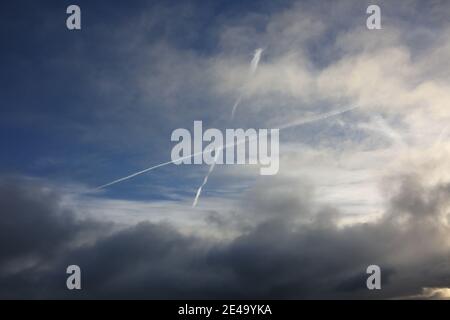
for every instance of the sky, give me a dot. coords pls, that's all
(369, 186)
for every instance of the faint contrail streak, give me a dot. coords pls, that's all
(238, 101)
(205, 180)
(389, 131)
(281, 127)
(255, 61)
(146, 170)
(253, 66)
(315, 118)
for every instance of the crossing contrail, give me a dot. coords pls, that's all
(205, 180)
(236, 104)
(281, 127)
(253, 66)
(322, 116)
(147, 170)
(255, 61)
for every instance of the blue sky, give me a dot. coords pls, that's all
(90, 106)
(57, 122)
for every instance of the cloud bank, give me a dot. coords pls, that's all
(295, 250)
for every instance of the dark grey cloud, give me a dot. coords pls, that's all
(277, 257)
(33, 224)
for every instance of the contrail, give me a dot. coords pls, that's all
(147, 170)
(205, 180)
(389, 131)
(255, 60)
(322, 116)
(285, 126)
(253, 66)
(238, 101)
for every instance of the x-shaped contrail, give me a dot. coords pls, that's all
(292, 124)
(253, 67)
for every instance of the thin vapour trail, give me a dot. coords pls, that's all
(299, 122)
(236, 104)
(255, 61)
(205, 180)
(219, 149)
(253, 67)
(282, 127)
(147, 170)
